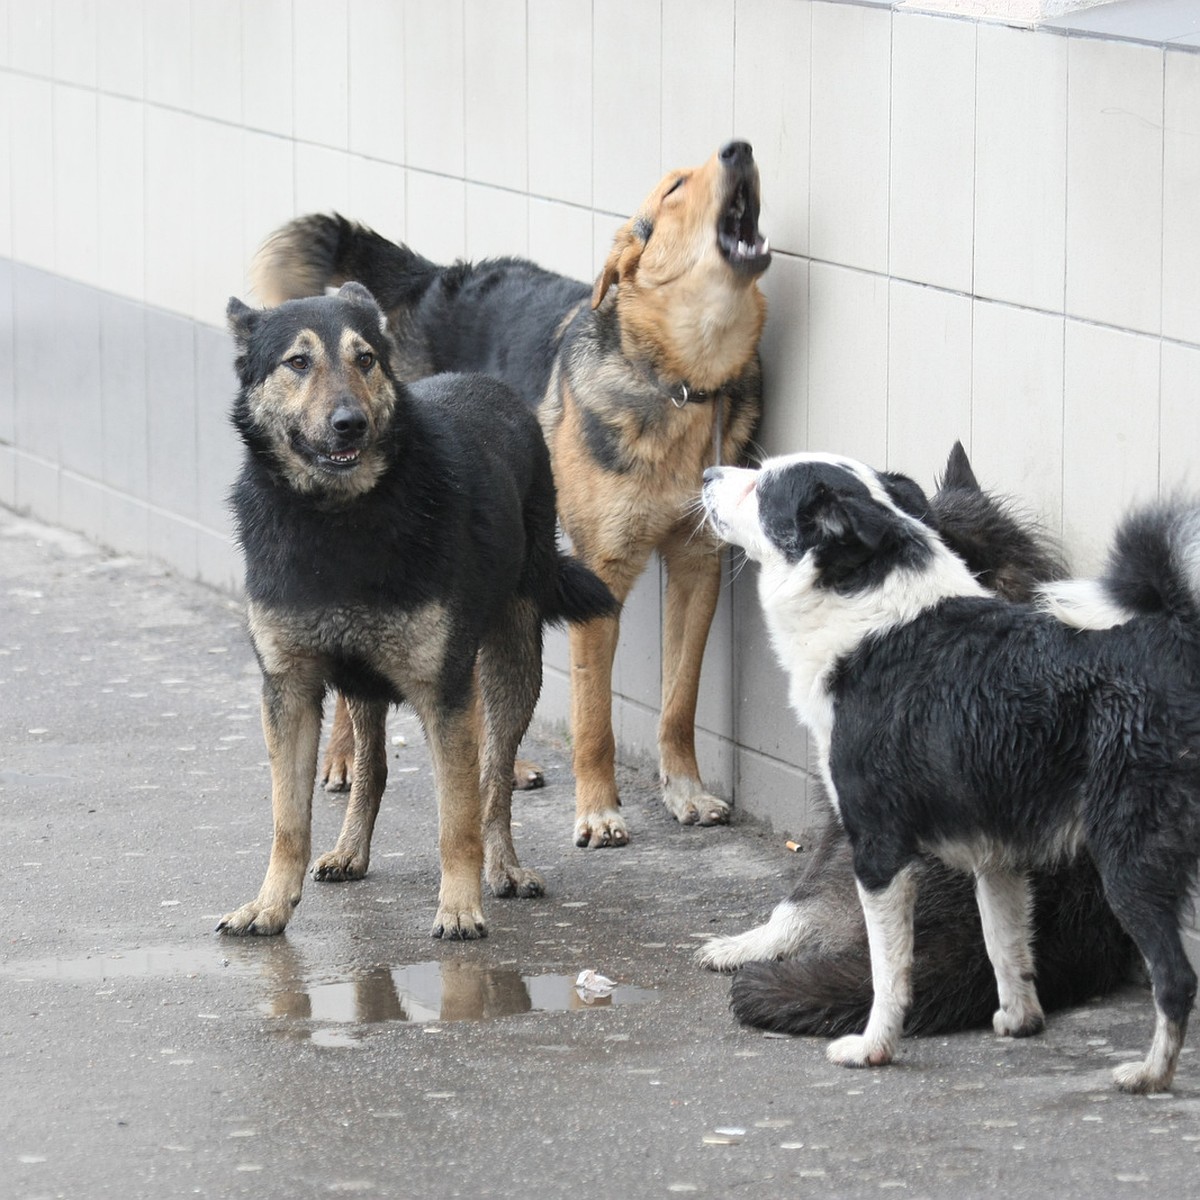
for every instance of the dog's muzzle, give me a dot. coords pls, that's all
(738, 234)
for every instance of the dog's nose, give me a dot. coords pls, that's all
(737, 154)
(349, 422)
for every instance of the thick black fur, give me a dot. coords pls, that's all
(497, 317)
(1080, 948)
(400, 543)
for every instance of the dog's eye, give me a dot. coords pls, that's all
(365, 360)
(299, 362)
(675, 186)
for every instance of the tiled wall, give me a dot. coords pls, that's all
(981, 232)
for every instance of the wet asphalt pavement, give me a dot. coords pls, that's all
(143, 1056)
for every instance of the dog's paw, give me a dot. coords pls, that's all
(1140, 1079)
(527, 776)
(1018, 1023)
(257, 919)
(337, 773)
(458, 925)
(595, 830)
(690, 804)
(857, 1051)
(725, 952)
(339, 865)
(509, 881)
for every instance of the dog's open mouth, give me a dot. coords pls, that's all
(741, 243)
(339, 461)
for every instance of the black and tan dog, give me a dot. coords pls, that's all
(640, 381)
(400, 546)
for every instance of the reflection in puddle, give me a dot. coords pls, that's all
(439, 991)
(453, 990)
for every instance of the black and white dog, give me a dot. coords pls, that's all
(806, 970)
(994, 736)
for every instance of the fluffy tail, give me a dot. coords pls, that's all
(322, 250)
(1080, 951)
(1153, 568)
(579, 594)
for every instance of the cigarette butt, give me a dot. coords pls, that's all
(793, 846)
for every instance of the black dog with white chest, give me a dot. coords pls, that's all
(997, 737)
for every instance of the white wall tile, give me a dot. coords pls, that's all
(120, 48)
(1179, 456)
(560, 239)
(1181, 198)
(929, 378)
(377, 79)
(497, 222)
(848, 363)
(267, 65)
(31, 38)
(321, 84)
(495, 93)
(1021, 167)
(170, 204)
(76, 199)
(7, 183)
(772, 78)
(32, 164)
(1110, 435)
(1114, 183)
(931, 198)
(74, 34)
(1017, 406)
(216, 46)
(849, 148)
(697, 43)
(377, 196)
(218, 244)
(434, 127)
(322, 179)
(626, 103)
(560, 99)
(268, 176)
(167, 35)
(437, 216)
(784, 352)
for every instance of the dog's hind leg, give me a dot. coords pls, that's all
(291, 718)
(352, 854)
(693, 589)
(337, 770)
(510, 679)
(1004, 910)
(889, 917)
(1153, 922)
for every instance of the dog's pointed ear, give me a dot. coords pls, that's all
(622, 261)
(959, 474)
(355, 293)
(242, 319)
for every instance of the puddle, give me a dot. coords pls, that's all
(440, 991)
(452, 990)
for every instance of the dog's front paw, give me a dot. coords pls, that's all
(459, 925)
(690, 804)
(857, 1051)
(508, 881)
(595, 830)
(257, 918)
(1018, 1023)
